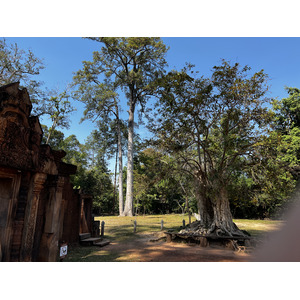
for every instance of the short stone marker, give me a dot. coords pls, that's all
(102, 228)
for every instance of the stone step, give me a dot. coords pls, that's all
(102, 243)
(83, 236)
(90, 241)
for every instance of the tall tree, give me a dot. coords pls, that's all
(157, 184)
(58, 107)
(102, 105)
(287, 111)
(131, 64)
(287, 126)
(18, 65)
(56, 138)
(213, 124)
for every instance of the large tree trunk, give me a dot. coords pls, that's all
(215, 215)
(204, 205)
(115, 185)
(121, 199)
(222, 221)
(128, 210)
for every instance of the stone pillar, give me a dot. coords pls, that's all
(35, 189)
(54, 205)
(50, 239)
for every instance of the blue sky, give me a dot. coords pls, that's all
(279, 57)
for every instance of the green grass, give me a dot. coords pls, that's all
(258, 227)
(120, 230)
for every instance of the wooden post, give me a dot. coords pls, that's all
(188, 209)
(162, 225)
(102, 228)
(203, 242)
(134, 226)
(183, 223)
(169, 237)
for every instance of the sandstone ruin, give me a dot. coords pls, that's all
(38, 207)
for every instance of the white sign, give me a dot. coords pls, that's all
(63, 250)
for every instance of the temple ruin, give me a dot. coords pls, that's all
(39, 209)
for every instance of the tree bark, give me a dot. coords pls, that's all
(50, 131)
(121, 198)
(115, 184)
(222, 222)
(128, 210)
(204, 205)
(214, 211)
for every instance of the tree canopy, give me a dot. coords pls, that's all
(131, 65)
(213, 125)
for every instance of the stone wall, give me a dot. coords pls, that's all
(38, 206)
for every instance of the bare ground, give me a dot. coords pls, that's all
(144, 249)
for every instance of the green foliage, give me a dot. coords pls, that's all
(58, 108)
(287, 126)
(265, 185)
(97, 182)
(56, 138)
(289, 148)
(76, 152)
(157, 186)
(288, 111)
(273, 166)
(129, 65)
(92, 175)
(211, 123)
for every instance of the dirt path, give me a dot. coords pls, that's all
(143, 250)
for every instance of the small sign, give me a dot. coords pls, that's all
(63, 250)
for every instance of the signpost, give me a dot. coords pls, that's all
(63, 251)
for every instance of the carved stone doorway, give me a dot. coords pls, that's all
(9, 187)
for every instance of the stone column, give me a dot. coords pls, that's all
(49, 244)
(36, 186)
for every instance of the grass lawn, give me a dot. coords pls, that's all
(120, 230)
(258, 227)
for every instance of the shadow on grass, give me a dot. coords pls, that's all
(161, 252)
(118, 235)
(123, 249)
(90, 254)
(124, 232)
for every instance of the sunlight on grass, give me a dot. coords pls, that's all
(119, 230)
(258, 227)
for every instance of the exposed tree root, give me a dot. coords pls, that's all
(197, 227)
